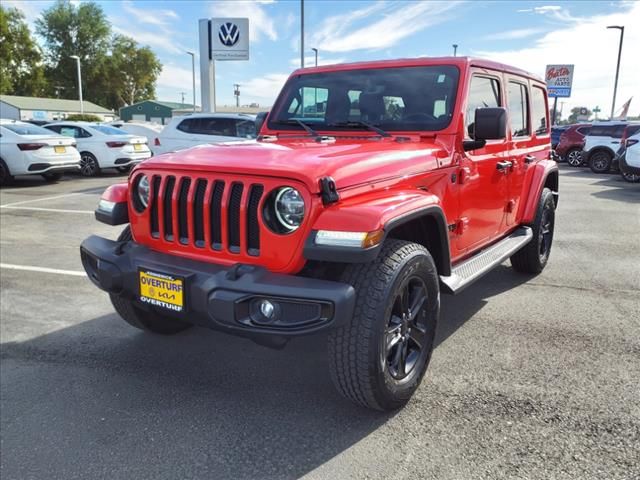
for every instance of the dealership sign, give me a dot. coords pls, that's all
(559, 79)
(230, 38)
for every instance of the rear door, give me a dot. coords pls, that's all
(483, 184)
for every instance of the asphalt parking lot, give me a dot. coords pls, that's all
(533, 377)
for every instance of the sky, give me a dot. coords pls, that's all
(525, 34)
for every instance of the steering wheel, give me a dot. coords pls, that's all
(420, 116)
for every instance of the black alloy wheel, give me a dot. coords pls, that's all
(545, 234)
(406, 333)
(88, 165)
(600, 162)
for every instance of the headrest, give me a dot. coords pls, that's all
(371, 106)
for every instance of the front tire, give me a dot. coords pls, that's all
(380, 357)
(574, 157)
(631, 177)
(600, 162)
(5, 175)
(143, 319)
(533, 257)
(89, 166)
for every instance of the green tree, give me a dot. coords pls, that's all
(575, 111)
(81, 30)
(21, 70)
(132, 70)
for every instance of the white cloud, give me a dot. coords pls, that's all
(260, 23)
(513, 34)
(345, 33)
(264, 89)
(593, 50)
(176, 77)
(156, 40)
(152, 16)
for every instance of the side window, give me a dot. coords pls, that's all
(484, 92)
(518, 110)
(583, 130)
(69, 132)
(53, 128)
(539, 111)
(82, 133)
(246, 128)
(619, 131)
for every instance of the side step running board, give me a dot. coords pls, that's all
(473, 268)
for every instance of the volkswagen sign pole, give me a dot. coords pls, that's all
(224, 39)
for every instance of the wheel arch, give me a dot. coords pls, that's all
(600, 148)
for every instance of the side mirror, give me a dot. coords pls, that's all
(489, 124)
(260, 118)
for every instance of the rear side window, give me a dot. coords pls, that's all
(539, 111)
(484, 92)
(518, 110)
(209, 126)
(583, 130)
(632, 130)
(613, 131)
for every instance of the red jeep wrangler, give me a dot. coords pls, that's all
(371, 188)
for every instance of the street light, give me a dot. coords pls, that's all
(79, 83)
(615, 85)
(193, 74)
(316, 51)
(301, 33)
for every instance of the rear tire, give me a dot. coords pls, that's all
(631, 177)
(533, 257)
(574, 157)
(5, 175)
(143, 319)
(52, 177)
(89, 166)
(379, 358)
(600, 161)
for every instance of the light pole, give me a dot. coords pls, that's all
(79, 83)
(455, 49)
(236, 93)
(615, 85)
(316, 52)
(193, 74)
(301, 33)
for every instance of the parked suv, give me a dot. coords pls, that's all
(203, 128)
(372, 188)
(601, 145)
(571, 143)
(630, 159)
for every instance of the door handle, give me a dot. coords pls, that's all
(504, 166)
(529, 159)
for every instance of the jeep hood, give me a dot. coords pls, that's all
(349, 163)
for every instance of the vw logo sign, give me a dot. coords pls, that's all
(229, 34)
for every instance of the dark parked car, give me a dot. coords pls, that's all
(555, 135)
(572, 142)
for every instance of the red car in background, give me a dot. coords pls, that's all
(572, 142)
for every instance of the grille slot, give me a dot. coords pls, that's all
(155, 226)
(253, 227)
(198, 213)
(233, 217)
(183, 221)
(215, 214)
(168, 209)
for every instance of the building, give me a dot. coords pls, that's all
(154, 111)
(48, 109)
(161, 112)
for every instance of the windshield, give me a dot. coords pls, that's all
(108, 130)
(406, 98)
(27, 129)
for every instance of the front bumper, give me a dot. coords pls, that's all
(222, 298)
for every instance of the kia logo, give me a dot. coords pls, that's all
(229, 34)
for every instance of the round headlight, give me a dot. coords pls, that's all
(289, 208)
(143, 190)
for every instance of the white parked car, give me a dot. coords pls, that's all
(202, 128)
(27, 149)
(601, 144)
(103, 146)
(148, 130)
(629, 161)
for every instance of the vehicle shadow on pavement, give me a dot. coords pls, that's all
(199, 404)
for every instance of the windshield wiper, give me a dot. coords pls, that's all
(295, 121)
(360, 123)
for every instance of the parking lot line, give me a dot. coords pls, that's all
(28, 268)
(42, 209)
(43, 199)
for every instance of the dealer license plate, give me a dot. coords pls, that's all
(59, 149)
(161, 290)
(137, 147)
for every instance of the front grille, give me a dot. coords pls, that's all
(206, 213)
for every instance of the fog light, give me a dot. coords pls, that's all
(267, 309)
